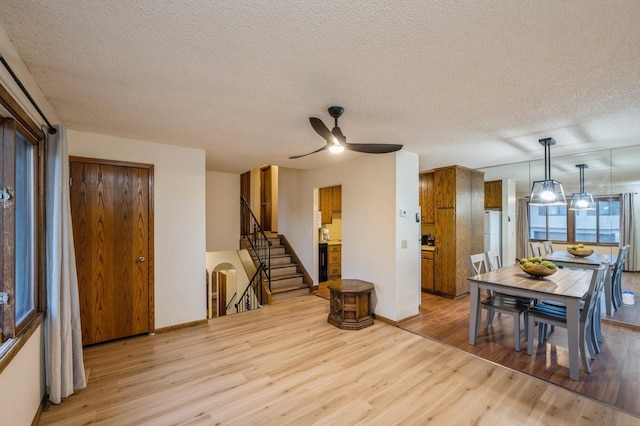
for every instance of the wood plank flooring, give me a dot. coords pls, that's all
(615, 376)
(284, 364)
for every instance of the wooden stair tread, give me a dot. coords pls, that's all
(288, 289)
(287, 276)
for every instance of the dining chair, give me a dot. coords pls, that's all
(556, 315)
(500, 303)
(548, 247)
(616, 278)
(536, 249)
(492, 259)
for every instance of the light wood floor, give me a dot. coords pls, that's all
(615, 376)
(284, 364)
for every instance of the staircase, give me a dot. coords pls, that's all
(282, 272)
(288, 277)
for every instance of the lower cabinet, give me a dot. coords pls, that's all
(335, 261)
(427, 283)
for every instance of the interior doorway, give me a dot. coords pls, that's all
(266, 202)
(222, 290)
(112, 224)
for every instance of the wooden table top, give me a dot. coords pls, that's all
(350, 286)
(565, 282)
(594, 259)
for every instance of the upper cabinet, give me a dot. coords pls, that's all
(427, 198)
(445, 183)
(330, 202)
(493, 195)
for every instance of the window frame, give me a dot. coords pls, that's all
(571, 223)
(13, 120)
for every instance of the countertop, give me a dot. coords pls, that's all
(332, 242)
(428, 248)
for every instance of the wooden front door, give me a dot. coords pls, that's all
(112, 231)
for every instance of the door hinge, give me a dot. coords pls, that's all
(4, 298)
(4, 195)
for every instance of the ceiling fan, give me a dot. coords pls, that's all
(337, 142)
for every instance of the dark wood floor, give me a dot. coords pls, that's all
(615, 376)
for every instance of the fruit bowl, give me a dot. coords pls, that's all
(538, 271)
(584, 252)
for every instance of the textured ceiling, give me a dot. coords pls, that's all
(475, 83)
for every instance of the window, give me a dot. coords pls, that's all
(548, 223)
(20, 227)
(600, 226)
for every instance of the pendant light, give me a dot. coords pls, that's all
(547, 192)
(582, 200)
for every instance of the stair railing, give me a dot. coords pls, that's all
(231, 302)
(252, 296)
(258, 241)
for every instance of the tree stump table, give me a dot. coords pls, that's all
(350, 304)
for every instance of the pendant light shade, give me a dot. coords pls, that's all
(582, 200)
(547, 192)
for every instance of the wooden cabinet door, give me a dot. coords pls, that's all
(110, 209)
(326, 204)
(336, 198)
(493, 194)
(445, 187)
(445, 254)
(427, 272)
(427, 198)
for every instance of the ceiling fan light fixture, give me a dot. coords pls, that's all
(582, 200)
(547, 192)
(336, 148)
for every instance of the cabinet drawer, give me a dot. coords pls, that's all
(427, 254)
(335, 248)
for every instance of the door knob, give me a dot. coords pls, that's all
(141, 259)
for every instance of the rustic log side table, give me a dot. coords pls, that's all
(350, 304)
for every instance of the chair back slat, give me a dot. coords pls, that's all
(536, 249)
(478, 265)
(492, 260)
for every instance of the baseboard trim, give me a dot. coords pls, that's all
(43, 404)
(180, 326)
(393, 322)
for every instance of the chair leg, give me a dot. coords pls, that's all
(489, 318)
(516, 331)
(530, 337)
(583, 352)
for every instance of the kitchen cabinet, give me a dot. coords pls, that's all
(427, 198)
(336, 204)
(427, 272)
(335, 261)
(459, 227)
(493, 195)
(330, 202)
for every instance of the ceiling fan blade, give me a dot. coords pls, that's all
(309, 153)
(373, 148)
(321, 129)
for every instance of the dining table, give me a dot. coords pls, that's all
(567, 286)
(567, 260)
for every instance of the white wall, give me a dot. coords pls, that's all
(179, 218)
(223, 211)
(22, 383)
(374, 187)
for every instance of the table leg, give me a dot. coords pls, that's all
(474, 315)
(573, 334)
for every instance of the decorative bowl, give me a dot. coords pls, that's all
(581, 253)
(539, 271)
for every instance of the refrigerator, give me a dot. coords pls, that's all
(492, 225)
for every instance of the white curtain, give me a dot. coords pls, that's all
(522, 229)
(629, 214)
(63, 337)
